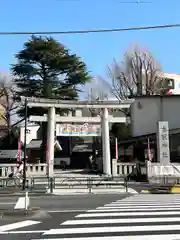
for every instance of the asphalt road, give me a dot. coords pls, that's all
(65, 202)
(54, 210)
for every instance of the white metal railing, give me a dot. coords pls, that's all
(125, 168)
(31, 169)
(119, 169)
(158, 169)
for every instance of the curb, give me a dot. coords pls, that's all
(159, 192)
(14, 212)
(31, 213)
(79, 193)
(5, 194)
(174, 189)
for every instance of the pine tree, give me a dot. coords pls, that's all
(46, 69)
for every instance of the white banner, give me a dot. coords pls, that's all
(80, 130)
(31, 133)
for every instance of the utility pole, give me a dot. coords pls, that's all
(24, 160)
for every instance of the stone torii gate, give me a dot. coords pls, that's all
(103, 119)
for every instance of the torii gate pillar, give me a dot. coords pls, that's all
(105, 142)
(50, 141)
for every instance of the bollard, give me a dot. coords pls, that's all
(89, 184)
(27, 183)
(32, 183)
(125, 185)
(26, 200)
(51, 185)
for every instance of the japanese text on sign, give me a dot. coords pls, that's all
(78, 130)
(163, 141)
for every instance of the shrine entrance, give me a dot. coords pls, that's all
(100, 123)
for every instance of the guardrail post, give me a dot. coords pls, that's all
(27, 184)
(32, 183)
(126, 184)
(178, 181)
(114, 168)
(51, 185)
(89, 184)
(4, 183)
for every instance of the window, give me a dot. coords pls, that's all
(170, 83)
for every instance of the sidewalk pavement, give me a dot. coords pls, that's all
(20, 192)
(93, 191)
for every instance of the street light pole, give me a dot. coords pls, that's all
(24, 160)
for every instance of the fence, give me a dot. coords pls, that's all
(69, 183)
(92, 184)
(41, 169)
(124, 169)
(31, 169)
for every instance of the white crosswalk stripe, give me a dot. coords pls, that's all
(139, 217)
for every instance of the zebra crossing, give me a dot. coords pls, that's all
(139, 217)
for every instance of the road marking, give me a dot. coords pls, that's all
(110, 229)
(144, 237)
(133, 209)
(22, 203)
(124, 220)
(7, 203)
(67, 211)
(23, 232)
(139, 196)
(156, 195)
(16, 225)
(144, 202)
(153, 197)
(158, 202)
(112, 214)
(149, 201)
(140, 206)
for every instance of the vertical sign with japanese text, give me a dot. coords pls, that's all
(163, 143)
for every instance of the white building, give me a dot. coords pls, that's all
(147, 111)
(173, 81)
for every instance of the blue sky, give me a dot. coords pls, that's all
(97, 50)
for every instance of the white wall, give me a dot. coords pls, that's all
(147, 111)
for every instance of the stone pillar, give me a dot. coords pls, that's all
(106, 143)
(163, 152)
(50, 141)
(114, 167)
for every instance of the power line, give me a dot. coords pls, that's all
(119, 2)
(92, 31)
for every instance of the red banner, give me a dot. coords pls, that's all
(116, 147)
(19, 151)
(149, 151)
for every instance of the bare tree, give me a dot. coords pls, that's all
(138, 74)
(7, 103)
(98, 90)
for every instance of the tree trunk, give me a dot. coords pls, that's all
(8, 118)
